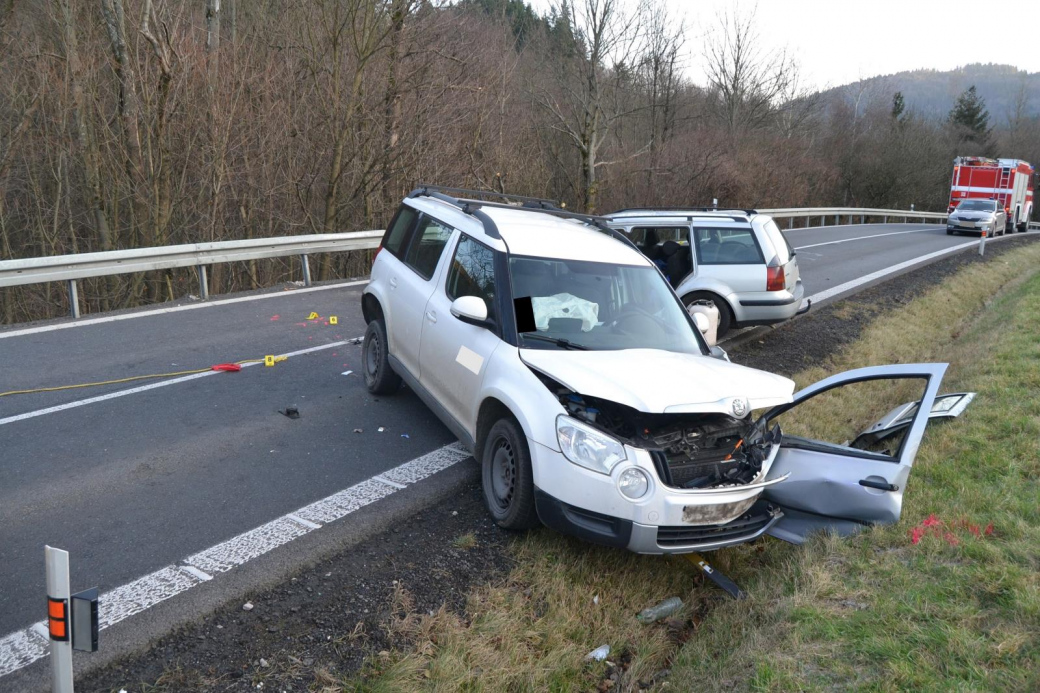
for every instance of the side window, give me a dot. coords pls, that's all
(396, 235)
(646, 237)
(426, 246)
(472, 273)
(734, 246)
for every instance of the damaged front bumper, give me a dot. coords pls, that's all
(579, 502)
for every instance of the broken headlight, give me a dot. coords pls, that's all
(587, 447)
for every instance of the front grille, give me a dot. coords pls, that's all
(677, 470)
(749, 524)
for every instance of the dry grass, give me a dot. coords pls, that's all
(873, 612)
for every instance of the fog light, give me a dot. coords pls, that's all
(633, 483)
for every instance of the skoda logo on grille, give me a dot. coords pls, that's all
(739, 407)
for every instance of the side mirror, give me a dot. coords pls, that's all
(470, 309)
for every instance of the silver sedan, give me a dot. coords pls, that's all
(977, 216)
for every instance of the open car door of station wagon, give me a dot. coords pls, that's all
(838, 481)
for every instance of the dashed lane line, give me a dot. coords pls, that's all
(861, 238)
(23, 647)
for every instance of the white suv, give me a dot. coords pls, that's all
(558, 353)
(736, 258)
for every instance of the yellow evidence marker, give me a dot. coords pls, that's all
(333, 320)
(269, 360)
(312, 316)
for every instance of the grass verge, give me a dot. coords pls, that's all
(938, 602)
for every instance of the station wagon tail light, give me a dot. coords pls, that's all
(775, 279)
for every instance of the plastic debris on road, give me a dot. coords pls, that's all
(381, 429)
(248, 606)
(346, 372)
(404, 435)
(599, 654)
(661, 610)
(291, 411)
(358, 430)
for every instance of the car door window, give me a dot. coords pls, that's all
(734, 246)
(397, 232)
(472, 273)
(427, 245)
(844, 419)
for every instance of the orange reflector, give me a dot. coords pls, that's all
(57, 618)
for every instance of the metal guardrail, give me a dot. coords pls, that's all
(70, 268)
(199, 255)
(824, 213)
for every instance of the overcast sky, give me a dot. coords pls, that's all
(841, 41)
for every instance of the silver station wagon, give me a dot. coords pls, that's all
(738, 259)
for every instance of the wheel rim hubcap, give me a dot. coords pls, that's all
(503, 473)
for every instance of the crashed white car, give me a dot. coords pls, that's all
(563, 359)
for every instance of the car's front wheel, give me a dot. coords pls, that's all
(375, 356)
(507, 478)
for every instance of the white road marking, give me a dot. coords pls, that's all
(860, 238)
(151, 386)
(174, 309)
(23, 647)
(860, 281)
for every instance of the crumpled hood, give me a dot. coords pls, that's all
(661, 382)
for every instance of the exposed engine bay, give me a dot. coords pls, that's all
(690, 451)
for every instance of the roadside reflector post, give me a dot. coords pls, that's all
(57, 562)
(84, 611)
(306, 270)
(73, 299)
(203, 283)
(982, 243)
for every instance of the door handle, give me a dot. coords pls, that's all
(880, 485)
(431, 316)
(393, 282)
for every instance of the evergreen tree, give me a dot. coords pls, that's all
(898, 105)
(971, 119)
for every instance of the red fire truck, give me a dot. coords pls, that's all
(1009, 181)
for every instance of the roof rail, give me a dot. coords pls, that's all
(533, 204)
(682, 210)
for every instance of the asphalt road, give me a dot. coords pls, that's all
(133, 483)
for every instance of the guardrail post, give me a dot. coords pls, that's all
(73, 299)
(203, 282)
(837, 220)
(862, 219)
(884, 219)
(58, 604)
(306, 270)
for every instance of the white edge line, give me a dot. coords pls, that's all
(21, 648)
(192, 570)
(175, 309)
(384, 480)
(859, 281)
(153, 386)
(861, 238)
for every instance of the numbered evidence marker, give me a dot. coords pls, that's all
(333, 320)
(312, 316)
(269, 360)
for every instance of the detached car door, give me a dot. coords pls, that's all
(838, 481)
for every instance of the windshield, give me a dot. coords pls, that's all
(573, 304)
(977, 206)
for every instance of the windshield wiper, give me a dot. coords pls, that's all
(555, 340)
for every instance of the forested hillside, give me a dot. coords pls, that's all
(130, 123)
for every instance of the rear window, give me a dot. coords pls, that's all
(733, 246)
(784, 251)
(424, 252)
(397, 233)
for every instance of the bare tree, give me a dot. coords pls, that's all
(748, 80)
(589, 65)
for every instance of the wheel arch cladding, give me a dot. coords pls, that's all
(371, 309)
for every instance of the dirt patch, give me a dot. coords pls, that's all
(321, 624)
(813, 338)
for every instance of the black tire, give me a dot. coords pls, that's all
(375, 363)
(507, 478)
(949, 232)
(725, 314)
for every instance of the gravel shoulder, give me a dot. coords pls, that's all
(321, 625)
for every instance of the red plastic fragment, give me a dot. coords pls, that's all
(953, 541)
(229, 367)
(275, 317)
(989, 529)
(931, 521)
(915, 535)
